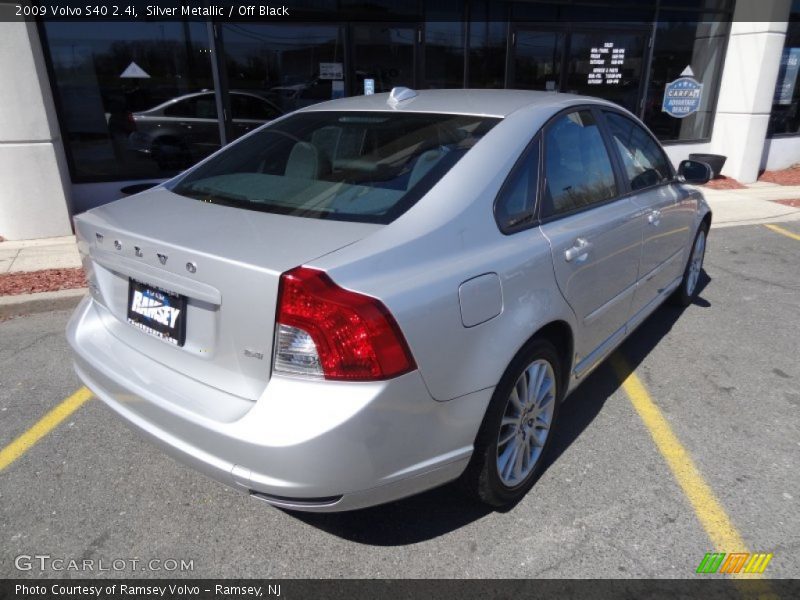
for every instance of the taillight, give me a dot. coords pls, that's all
(325, 331)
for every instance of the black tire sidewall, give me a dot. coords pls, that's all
(681, 297)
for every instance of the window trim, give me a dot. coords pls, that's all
(607, 126)
(519, 164)
(622, 192)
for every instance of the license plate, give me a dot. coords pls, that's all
(157, 312)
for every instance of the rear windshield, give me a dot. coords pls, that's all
(348, 166)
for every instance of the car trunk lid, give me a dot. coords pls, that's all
(226, 261)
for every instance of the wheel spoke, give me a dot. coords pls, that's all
(517, 471)
(544, 391)
(541, 374)
(522, 390)
(510, 456)
(504, 439)
(515, 401)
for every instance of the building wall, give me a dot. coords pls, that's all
(34, 199)
(781, 153)
(748, 86)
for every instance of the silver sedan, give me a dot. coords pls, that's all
(374, 296)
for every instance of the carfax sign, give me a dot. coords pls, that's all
(682, 97)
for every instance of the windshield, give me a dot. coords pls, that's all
(348, 166)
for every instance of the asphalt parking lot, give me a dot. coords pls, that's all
(724, 374)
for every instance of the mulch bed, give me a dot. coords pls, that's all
(724, 183)
(790, 176)
(793, 202)
(49, 280)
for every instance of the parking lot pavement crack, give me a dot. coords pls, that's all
(746, 277)
(14, 352)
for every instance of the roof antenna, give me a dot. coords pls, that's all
(400, 94)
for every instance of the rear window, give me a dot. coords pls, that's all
(347, 166)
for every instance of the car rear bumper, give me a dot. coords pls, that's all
(305, 445)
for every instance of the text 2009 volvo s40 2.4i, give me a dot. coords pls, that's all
(376, 295)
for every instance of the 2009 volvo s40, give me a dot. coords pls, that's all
(376, 295)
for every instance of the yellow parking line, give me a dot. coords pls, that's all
(42, 427)
(708, 509)
(783, 231)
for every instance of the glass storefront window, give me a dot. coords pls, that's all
(287, 67)
(607, 64)
(385, 53)
(538, 56)
(700, 46)
(114, 84)
(444, 44)
(785, 116)
(488, 32)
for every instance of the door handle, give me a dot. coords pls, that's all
(579, 252)
(654, 218)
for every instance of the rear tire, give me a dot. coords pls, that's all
(517, 428)
(687, 290)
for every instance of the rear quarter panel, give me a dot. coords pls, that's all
(416, 264)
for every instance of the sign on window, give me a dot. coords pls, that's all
(682, 97)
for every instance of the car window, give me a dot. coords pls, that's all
(645, 162)
(348, 166)
(249, 107)
(578, 170)
(197, 107)
(184, 108)
(515, 204)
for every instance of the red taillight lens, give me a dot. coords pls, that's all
(329, 331)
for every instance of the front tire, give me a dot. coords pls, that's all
(687, 291)
(517, 428)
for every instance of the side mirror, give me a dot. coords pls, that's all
(694, 171)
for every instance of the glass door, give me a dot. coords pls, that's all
(536, 59)
(598, 62)
(385, 53)
(608, 64)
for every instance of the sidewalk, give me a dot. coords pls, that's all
(37, 255)
(50, 264)
(753, 205)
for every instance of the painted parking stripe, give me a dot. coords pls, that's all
(709, 511)
(42, 427)
(783, 231)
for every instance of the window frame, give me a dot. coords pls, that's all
(607, 127)
(619, 179)
(520, 163)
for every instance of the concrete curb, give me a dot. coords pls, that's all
(28, 304)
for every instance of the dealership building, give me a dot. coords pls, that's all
(91, 111)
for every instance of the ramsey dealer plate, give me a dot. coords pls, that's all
(157, 312)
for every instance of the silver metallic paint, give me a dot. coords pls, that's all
(225, 414)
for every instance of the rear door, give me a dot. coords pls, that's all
(668, 212)
(595, 234)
